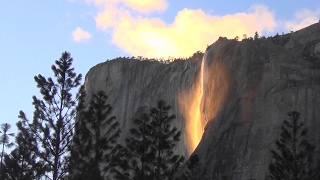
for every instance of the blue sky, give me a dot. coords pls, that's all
(33, 35)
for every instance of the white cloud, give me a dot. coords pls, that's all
(302, 19)
(192, 29)
(80, 35)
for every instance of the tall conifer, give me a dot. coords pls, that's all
(134, 158)
(293, 158)
(54, 115)
(165, 163)
(22, 163)
(4, 139)
(149, 151)
(95, 140)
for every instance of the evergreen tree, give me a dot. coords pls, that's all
(22, 163)
(148, 153)
(95, 140)
(244, 36)
(4, 138)
(3, 170)
(134, 158)
(293, 157)
(256, 36)
(194, 171)
(54, 114)
(164, 139)
(77, 164)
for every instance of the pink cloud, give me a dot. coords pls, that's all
(80, 35)
(192, 30)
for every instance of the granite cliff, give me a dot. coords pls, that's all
(233, 98)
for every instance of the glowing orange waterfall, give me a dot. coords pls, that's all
(190, 106)
(213, 83)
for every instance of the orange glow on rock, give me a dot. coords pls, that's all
(204, 100)
(190, 106)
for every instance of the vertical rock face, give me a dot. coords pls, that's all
(133, 86)
(240, 92)
(268, 78)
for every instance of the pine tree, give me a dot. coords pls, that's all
(165, 163)
(134, 158)
(256, 36)
(149, 152)
(54, 114)
(22, 162)
(76, 162)
(3, 169)
(293, 157)
(194, 170)
(95, 140)
(4, 138)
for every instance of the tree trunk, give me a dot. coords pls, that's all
(2, 153)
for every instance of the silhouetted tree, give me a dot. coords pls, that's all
(194, 171)
(244, 36)
(256, 36)
(134, 158)
(293, 157)
(3, 169)
(95, 140)
(164, 140)
(22, 163)
(4, 138)
(149, 152)
(54, 114)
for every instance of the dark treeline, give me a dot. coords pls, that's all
(55, 146)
